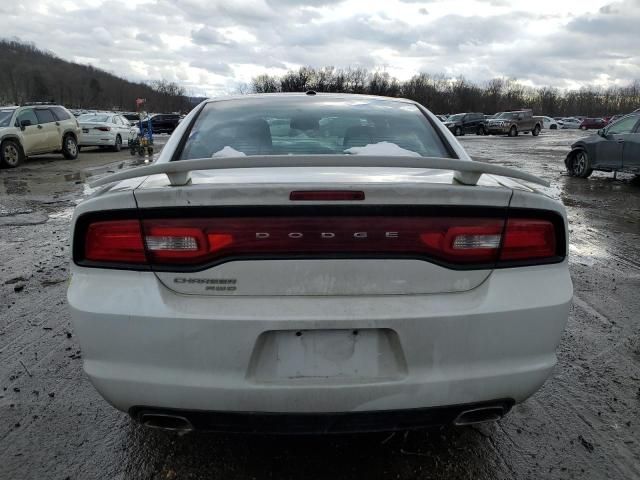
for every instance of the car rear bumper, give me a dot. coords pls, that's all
(312, 423)
(144, 345)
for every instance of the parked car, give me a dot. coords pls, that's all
(28, 130)
(442, 118)
(514, 122)
(550, 123)
(571, 123)
(104, 130)
(616, 147)
(592, 123)
(131, 117)
(164, 122)
(462, 123)
(316, 278)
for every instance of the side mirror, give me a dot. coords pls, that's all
(24, 124)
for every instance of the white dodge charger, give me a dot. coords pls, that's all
(317, 263)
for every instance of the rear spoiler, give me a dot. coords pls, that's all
(465, 171)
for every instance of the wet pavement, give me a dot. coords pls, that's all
(582, 424)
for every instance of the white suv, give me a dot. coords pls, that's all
(314, 263)
(31, 130)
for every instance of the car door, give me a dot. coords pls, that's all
(33, 135)
(473, 123)
(609, 151)
(631, 148)
(464, 124)
(47, 122)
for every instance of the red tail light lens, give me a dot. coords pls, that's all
(528, 239)
(467, 242)
(455, 240)
(114, 241)
(103, 129)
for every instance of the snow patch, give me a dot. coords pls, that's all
(382, 149)
(228, 152)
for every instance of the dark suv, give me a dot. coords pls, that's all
(462, 123)
(164, 122)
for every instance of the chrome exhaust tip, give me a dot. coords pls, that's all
(480, 415)
(169, 423)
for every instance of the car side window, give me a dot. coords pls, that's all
(624, 125)
(44, 115)
(115, 120)
(27, 114)
(60, 113)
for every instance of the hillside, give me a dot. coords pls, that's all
(28, 74)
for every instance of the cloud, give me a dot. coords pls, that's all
(210, 46)
(209, 36)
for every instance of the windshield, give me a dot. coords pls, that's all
(91, 117)
(455, 118)
(5, 117)
(304, 125)
(507, 115)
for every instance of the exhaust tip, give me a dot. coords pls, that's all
(480, 415)
(170, 423)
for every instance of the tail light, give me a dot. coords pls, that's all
(103, 129)
(196, 243)
(115, 241)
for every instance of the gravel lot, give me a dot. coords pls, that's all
(583, 424)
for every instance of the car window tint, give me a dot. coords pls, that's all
(44, 115)
(60, 113)
(624, 125)
(92, 117)
(308, 126)
(28, 114)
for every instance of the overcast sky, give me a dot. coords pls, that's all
(210, 46)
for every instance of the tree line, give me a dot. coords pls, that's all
(445, 95)
(28, 74)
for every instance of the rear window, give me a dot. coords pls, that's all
(91, 117)
(306, 125)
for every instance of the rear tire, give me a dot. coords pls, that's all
(457, 131)
(69, 147)
(11, 154)
(580, 165)
(536, 131)
(118, 145)
(481, 130)
(513, 131)
(553, 127)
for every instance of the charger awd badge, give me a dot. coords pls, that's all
(210, 284)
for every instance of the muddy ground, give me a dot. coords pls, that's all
(582, 424)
